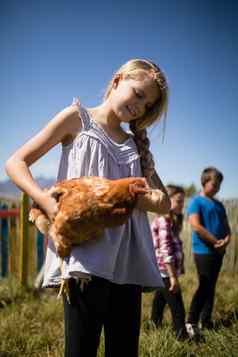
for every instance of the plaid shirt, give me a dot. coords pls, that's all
(168, 246)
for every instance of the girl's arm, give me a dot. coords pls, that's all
(166, 250)
(62, 128)
(157, 200)
(174, 282)
(155, 182)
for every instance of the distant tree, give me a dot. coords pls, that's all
(190, 190)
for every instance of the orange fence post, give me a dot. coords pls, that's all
(24, 236)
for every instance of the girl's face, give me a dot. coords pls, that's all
(131, 98)
(177, 202)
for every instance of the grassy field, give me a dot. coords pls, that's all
(31, 324)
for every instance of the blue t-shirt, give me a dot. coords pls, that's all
(212, 217)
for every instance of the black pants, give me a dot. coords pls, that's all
(115, 307)
(208, 268)
(175, 301)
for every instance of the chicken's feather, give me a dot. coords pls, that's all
(87, 206)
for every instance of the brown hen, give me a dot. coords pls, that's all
(86, 206)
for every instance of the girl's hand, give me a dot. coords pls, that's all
(174, 284)
(49, 205)
(152, 201)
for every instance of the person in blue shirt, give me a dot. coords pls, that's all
(210, 236)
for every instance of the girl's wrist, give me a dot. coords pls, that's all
(40, 197)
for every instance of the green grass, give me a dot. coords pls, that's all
(32, 325)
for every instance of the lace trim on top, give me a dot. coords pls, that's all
(123, 153)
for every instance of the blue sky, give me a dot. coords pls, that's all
(52, 51)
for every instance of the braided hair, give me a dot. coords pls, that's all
(143, 143)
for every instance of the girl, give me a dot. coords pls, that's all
(169, 253)
(119, 264)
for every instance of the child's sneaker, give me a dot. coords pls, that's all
(194, 332)
(182, 335)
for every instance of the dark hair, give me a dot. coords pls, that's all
(210, 173)
(174, 189)
(177, 219)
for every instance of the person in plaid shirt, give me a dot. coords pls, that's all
(170, 259)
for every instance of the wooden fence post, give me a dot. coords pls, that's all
(24, 236)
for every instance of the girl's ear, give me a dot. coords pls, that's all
(117, 78)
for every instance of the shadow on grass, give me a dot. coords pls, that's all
(226, 321)
(4, 303)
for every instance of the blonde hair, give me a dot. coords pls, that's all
(132, 69)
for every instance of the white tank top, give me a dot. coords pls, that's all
(125, 254)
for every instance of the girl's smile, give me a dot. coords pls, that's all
(131, 110)
(130, 98)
